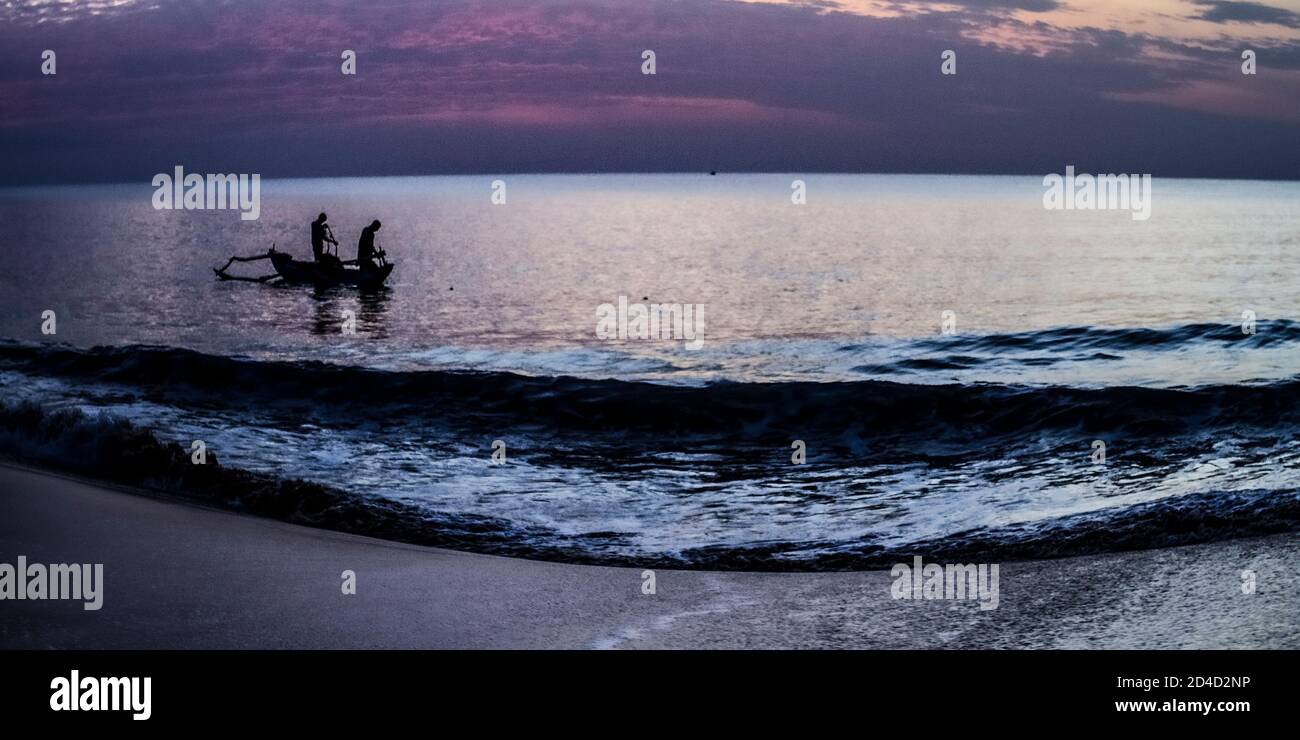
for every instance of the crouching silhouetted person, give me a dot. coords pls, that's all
(366, 249)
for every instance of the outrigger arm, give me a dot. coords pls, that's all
(222, 274)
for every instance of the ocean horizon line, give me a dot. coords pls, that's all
(145, 181)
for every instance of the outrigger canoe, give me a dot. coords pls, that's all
(299, 272)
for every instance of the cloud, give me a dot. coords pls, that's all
(1033, 6)
(1225, 11)
(58, 11)
(515, 85)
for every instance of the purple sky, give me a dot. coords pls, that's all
(506, 86)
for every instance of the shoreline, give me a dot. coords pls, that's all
(181, 575)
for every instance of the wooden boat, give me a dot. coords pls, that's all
(300, 272)
(317, 273)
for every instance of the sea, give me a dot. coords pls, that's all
(898, 365)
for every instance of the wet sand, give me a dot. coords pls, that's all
(183, 575)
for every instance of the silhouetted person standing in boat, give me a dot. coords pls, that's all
(320, 235)
(366, 251)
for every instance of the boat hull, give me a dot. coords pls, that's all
(315, 273)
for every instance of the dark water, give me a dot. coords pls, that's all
(823, 324)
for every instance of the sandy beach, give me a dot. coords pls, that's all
(182, 575)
